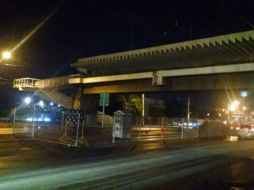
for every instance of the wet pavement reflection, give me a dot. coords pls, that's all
(237, 175)
(214, 165)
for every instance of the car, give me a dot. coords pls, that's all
(245, 131)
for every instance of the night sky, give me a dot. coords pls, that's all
(83, 28)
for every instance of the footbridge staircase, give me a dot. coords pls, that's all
(50, 89)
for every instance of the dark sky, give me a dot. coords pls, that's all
(90, 27)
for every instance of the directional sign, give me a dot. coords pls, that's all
(104, 99)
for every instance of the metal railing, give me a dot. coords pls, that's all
(25, 83)
(76, 128)
(53, 82)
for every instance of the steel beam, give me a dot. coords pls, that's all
(158, 76)
(187, 83)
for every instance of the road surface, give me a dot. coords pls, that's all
(201, 166)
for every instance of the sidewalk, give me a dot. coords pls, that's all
(7, 138)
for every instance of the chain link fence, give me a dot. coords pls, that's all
(22, 121)
(72, 127)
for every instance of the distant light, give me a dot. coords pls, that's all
(208, 114)
(46, 119)
(41, 103)
(244, 93)
(59, 105)
(29, 119)
(233, 106)
(236, 102)
(244, 108)
(27, 100)
(51, 104)
(6, 55)
(219, 114)
(233, 138)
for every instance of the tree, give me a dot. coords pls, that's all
(131, 103)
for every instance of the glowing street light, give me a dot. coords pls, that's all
(41, 103)
(244, 93)
(234, 105)
(6, 55)
(27, 100)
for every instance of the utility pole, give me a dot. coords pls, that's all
(103, 110)
(13, 118)
(188, 109)
(143, 109)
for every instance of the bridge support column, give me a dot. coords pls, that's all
(89, 103)
(157, 79)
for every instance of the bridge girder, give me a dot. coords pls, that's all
(234, 81)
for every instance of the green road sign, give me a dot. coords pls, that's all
(104, 99)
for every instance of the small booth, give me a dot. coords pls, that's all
(121, 125)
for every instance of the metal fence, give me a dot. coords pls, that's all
(21, 121)
(153, 128)
(75, 128)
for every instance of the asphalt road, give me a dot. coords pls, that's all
(198, 165)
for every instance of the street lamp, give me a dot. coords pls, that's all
(244, 93)
(233, 105)
(27, 100)
(41, 103)
(6, 55)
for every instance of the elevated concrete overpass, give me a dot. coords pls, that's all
(218, 50)
(221, 62)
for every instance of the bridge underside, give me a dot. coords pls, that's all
(188, 83)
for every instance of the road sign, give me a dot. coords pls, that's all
(104, 99)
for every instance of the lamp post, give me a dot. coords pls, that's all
(13, 113)
(6, 55)
(27, 101)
